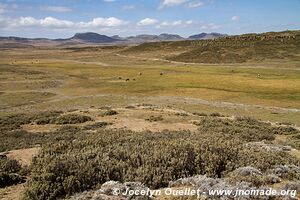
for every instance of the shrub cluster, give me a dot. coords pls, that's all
(9, 172)
(82, 160)
(155, 118)
(14, 137)
(72, 119)
(109, 112)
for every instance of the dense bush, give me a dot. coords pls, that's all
(96, 125)
(109, 112)
(154, 118)
(9, 170)
(245, 129)
(14, 122)
(9, 165)
(17, 139)
(72, 119)
(47, 117)
(82, 160)
(14, 137)
(7, 179)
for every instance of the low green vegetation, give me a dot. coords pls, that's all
(154, 118)
(15, 137)
(82, 160)
(109, 112)
(10, 172)
(72, 119)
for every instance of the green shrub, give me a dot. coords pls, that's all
(7, 179)
(72, 119)
(215, 114)
(110, 112)
(96, 125)
(200, 114)
(8, 172)
(47, 117)
(155, 118)
(89, 159)
(9, 165)
(285, 130)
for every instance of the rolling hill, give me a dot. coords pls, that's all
(230, 49)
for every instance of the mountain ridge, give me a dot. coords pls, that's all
(95, 38)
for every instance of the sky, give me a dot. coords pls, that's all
(64, 18)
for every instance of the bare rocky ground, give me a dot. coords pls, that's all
(114, 190)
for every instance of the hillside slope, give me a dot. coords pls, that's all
(233, 49)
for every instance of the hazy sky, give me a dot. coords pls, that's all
(63, 18)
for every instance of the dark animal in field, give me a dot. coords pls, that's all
(140, 73)
(133, 79)
(161, 73)
(127, 79)
(120, 77)
(3, 155)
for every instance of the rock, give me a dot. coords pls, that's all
(287, 171)
(112, 190)
(273, 178)
(246, 171)
(116, 188)
(292, 185)
(268, 147)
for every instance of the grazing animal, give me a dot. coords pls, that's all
(120, 77)
(127, 79)
(140, 74)
(161, 73)
(133, 79)
(3, 155)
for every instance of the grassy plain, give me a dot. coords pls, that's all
(66, 78)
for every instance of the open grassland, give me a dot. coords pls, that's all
(66, 78)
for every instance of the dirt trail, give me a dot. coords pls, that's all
(24, 156)
(12, 193)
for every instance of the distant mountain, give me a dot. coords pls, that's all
(93, 38)
(153, 38)
(205, 36)
(166, 36)
(141, 38)
(117, 37)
